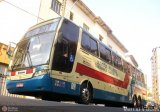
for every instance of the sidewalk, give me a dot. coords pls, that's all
(3, 90)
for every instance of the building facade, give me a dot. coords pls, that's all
(155, 63)
(79, 13)
(4, 62)
(4, 59)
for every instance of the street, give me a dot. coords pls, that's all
(11, 104)
(30, 105)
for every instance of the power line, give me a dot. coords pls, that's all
(1, 0)
(21, 9)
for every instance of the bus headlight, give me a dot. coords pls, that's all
(41, 72)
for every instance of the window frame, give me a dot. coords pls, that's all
(106, 54)
(56, 6)
(71, 16)
(85, 27)
(89, 40)
(115, 60)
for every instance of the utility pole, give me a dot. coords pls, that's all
(71, 8)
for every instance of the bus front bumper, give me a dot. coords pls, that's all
(35, 84)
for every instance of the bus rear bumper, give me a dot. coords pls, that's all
(35, 84)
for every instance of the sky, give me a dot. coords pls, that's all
(15, 22)
(135, 23)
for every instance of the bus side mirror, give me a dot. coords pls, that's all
(10, 49)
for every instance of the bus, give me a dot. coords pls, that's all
(57, 60)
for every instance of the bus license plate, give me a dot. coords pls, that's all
(19, 85)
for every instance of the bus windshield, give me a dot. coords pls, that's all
(34, 49)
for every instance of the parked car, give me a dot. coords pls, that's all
(150, 105)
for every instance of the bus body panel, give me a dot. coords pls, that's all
(70, 65)
(43, 83)
(35, 84)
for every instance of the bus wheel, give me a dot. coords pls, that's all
(85, 94)
(134, 102)
(139, 103)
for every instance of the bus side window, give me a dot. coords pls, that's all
(89, 44)
(94, 47)
(66, 46)
(108, 55)
(133, 72)
(117, 62)
(85, 42)
(127, 67)
(105, 53)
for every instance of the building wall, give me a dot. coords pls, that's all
(79, 18)
(155, 62)
(45, 11)
(3, 54)
(4, 62)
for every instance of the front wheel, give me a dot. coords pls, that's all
(134, 102)
(85, 94)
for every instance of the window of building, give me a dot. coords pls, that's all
(100, 38)
(110, 46)
(85, 27)
(56, 6)
(89, 44)
(71, 16)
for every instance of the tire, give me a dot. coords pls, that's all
(85, 94)
(139, 102)
(134, 102)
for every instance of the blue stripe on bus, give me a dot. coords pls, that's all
(39, 83)
(64, 87)
(43, 83)
(105, 95)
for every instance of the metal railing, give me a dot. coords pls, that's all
(3, 90)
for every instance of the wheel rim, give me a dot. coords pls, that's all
(139, 103)
(85, 94)
(134, 102)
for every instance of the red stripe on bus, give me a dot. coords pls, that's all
(13, 73)
(84, 70)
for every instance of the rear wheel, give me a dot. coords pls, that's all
(85, 94)
(139, 102)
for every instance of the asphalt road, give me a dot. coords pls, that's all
(10, 104)
(31, 105)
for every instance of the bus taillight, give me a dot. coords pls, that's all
(28, 71)
(13, 73)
